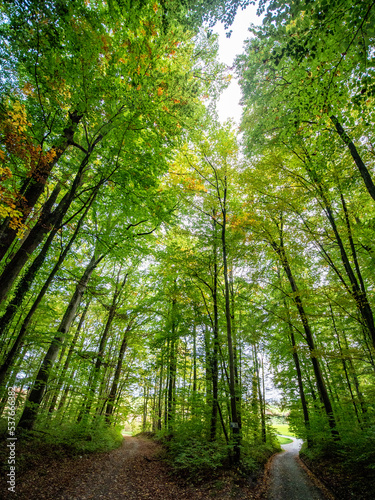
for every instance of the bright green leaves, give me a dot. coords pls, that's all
(316, 52)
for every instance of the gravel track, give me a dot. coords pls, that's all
(289, 479)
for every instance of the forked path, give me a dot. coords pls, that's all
(134, 472)
(290, 480)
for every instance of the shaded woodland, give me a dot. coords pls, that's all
(158, 267)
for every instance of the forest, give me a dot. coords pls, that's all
(167, 273)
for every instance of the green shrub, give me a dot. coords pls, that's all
(255, 456)
(193, 456)
(81, 437)
(196, 458)
(189, 452)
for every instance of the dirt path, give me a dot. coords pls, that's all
(290, 480)
(132, 472)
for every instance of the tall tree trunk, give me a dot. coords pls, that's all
(172, 369)
(66, 365)
(45, 223)
(260, 396)
(363, 170)
(306, 417)
(66, 391)
(235, 424)
(356, 290)
(34, 186)
(280, 251)
(160, 397)
(215, 346)
(23, 330)
(11, 380)
(114, 388)
(36, 395)
(355, 379)
(194, 390)
(102, 346)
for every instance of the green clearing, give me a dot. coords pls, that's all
(283, 440)
(283, 429)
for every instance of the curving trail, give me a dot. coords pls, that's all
(290, 480)
(130, 472)
(134, 472)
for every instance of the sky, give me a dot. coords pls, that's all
(228, 105)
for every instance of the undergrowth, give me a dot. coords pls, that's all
(53, 440)
(194, 458)
(348, 465)
(81, 437)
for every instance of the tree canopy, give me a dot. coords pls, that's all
(158, 268)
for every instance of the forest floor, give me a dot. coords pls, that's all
(134, 471)
(137, 471)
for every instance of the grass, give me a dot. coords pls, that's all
(283, 440)
(283, 429)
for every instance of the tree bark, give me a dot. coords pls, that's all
(23, 330)
(66, 365)
(116, 378)
(36, 395)
(356, 156)
(103, 343)
(215, 347)
(34, 186)
(305, 410)
(235, 424)
(280, 251)
(172, 370)
(45, 223)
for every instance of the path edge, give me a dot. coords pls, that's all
(318, 482)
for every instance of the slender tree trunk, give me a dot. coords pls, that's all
(68, 358)
(355, 379)
(11, 381)
(356, 290)
(160, 398)
(25, 285)
(171, 392)
(45, 223)
(116, 378)
(103, 343)
(66, 391)
(235, 424)
(36, 395)
(280, 250)
(23, 330)
(145, 405)
(358, 294)
(194, 395)
(363, 170)
(305, 410)
(260, 397)
(14, 267)
(235, 347)
(215, 346)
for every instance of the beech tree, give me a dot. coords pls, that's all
(158, 268)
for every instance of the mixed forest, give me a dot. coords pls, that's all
(159, 267)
